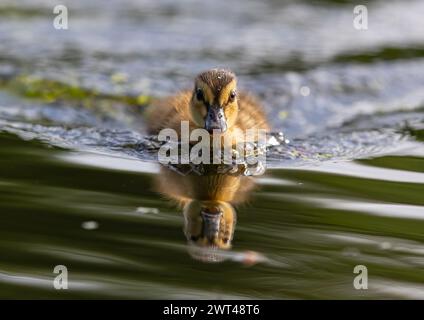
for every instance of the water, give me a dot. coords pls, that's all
(79, 185)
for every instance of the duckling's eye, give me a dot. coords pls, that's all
(199, 95)
(233, 95)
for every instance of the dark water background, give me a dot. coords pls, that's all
(76, 188)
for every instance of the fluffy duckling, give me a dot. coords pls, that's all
(213, 104)
(209, 224)
(207, 205)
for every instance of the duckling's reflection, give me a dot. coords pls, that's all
(207, 201)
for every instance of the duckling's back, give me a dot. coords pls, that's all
(168, 113)
(251, 114)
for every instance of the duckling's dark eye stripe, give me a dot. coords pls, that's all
(199, 94)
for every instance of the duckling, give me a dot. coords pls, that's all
(209, 224)
(207, 205)
(214, 104)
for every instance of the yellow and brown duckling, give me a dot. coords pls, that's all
(209, 224)
(214, 104)
(207, 199)
(207, 205)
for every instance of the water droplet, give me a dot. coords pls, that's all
(273, 141)
(305, 91)
(90, 225)
(146, 210)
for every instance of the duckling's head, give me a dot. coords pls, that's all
(214, 101)
(209, 224)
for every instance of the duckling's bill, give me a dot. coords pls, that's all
(215, 119)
